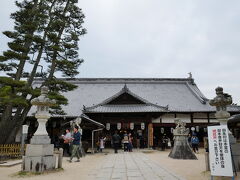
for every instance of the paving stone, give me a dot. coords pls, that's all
(132, 166)
(119, 171)
(102, 178)
(136, 178)
(118, 175)
(134, 174)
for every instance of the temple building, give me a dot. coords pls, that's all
(146, 107)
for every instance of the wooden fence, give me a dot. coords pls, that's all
(10, 151)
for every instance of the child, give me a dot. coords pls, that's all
(102, 143)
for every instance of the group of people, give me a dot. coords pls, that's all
(74, 140)
(127, 142)
(165, 142)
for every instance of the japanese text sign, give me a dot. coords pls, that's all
(219, 151)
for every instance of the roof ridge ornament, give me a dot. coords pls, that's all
(125, 88)
(190, 75)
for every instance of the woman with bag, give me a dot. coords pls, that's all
(66, 142)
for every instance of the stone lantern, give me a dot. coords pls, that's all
(221, 101)
(39, 153)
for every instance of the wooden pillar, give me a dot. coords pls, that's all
(150, 135)
(208, 117)
(192, 118)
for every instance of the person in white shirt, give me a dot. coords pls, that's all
(67, 140)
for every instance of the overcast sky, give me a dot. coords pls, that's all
(159, 39)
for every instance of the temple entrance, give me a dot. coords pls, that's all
(126, 112)
(140, 137)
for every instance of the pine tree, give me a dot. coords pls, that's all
(46, 34)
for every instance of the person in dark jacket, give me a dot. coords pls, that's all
(195, 142)
(76, 144)
(116, 140)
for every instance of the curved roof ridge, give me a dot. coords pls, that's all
(199, 96)
(121, 80)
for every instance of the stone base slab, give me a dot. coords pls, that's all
(33, 150)
(38, 163)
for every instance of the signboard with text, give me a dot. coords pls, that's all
(219, 151)
(150, 134)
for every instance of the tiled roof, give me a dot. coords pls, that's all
(179, 95)
(129, 108)
(233, 108)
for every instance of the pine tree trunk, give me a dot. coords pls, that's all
(18, 120)
(7, 128)
(53, 63)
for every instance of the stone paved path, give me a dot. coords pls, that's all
(131, 166)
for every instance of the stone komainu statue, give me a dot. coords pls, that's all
(180, 128)
(181, 148)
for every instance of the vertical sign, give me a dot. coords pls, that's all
(150, 134)
(219, 151)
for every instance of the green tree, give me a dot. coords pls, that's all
(46, 34)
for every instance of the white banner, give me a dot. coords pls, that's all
(219, 151)
(119, 125)
(131, 126)
(108, 126)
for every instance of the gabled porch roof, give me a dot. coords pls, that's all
(107, 107)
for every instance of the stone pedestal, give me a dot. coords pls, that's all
(39, 157)
(181, 149)
(38, 163)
